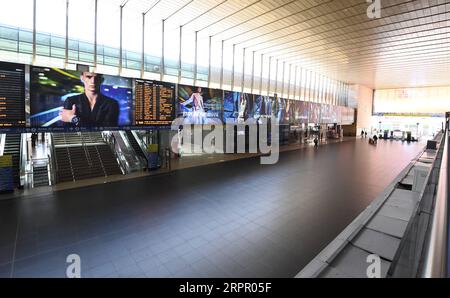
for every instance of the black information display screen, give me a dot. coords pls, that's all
(154, 103)
(12, 95)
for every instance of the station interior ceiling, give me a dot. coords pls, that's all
(407, 45)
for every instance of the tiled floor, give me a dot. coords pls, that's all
(234, 219)
(176, 164)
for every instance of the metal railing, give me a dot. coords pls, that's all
(26, 168)
(436, 245)
(410, 257)
(52, 160)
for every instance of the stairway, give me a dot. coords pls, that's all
(63, 165)
(92, 138)
(83, 156)
(108, 160)
(12, 147)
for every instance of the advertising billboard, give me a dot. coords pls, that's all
(79, 100)
(200, 105)
(237, 106)
(314, 113)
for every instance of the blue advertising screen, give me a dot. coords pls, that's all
(78, 100)
(237, 106)
(200, 105)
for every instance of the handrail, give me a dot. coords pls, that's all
(436, 256)
(2, 143)
(25, 162)
(51, 158)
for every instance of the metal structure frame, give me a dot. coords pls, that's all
(289, 41)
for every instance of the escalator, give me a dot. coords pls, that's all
(40, 173)
(12, 147)
(136, 147)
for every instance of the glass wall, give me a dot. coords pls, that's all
(13, 40)
(81, 28)
(420, 127)
(108, 39)
(51, 32)
(132, 36)
(431, 100)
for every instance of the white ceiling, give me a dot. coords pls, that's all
(408, 46)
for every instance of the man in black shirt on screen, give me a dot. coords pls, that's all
(90, 109)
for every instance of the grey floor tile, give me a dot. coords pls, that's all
(175, 265)
(5, 271)
(258, 217)
(158, 272)
(104, 270)
(396, 212)
(377, 243)
(352, 262)
(388, 225)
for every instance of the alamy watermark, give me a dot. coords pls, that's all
(235, 138)
(74, 268)
(374, 269)
(374, 9)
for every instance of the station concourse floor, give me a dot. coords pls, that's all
(233, 219)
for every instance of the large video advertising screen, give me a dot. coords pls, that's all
(325, 114)
(281, 110)
(200, 105)
(348, 116)
(12, 96)
(237, 106)
(314, 113)
(299, 112)
(262, 107)
(63, 99)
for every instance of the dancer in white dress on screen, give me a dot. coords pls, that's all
(242, 108)
(197, 113)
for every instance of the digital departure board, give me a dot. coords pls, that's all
(12, 95)
(154, 103)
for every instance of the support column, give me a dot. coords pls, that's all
(163, 41)
(180, 57)
(143, 47)
(261, 74)
(269, 78)
(66, 60)
(233, 68)
(196, 59)
(95, 34)
(121, 40)
(209, 62)
(33, 59)
(221, 65)
(253, 72)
